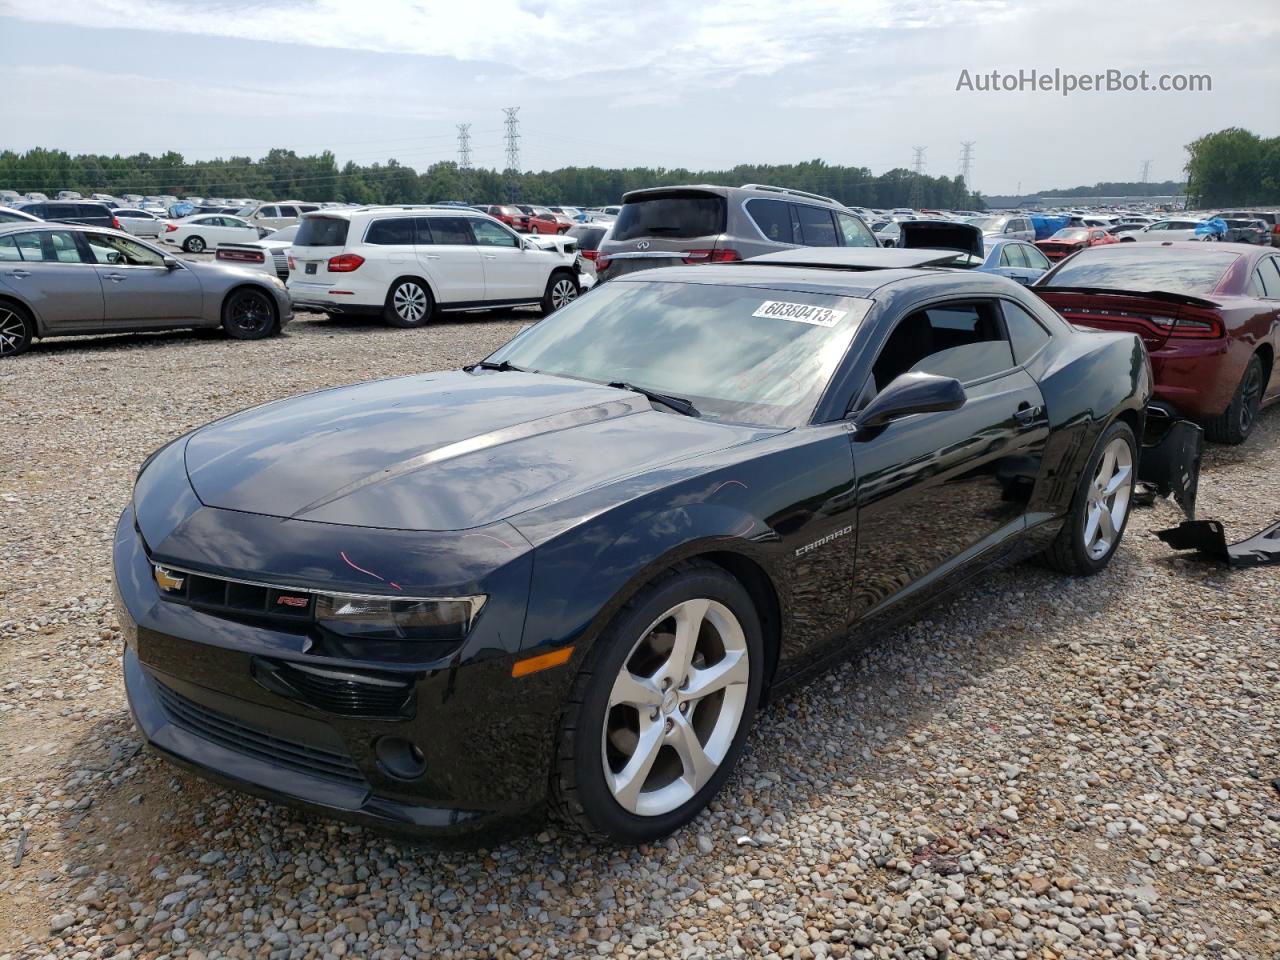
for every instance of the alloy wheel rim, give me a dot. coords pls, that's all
(1252, 395)
(250, 314)
(12, 332)
(1108, 499)
(675, 707)
(410, 302)
(196, 244)
(563, 292)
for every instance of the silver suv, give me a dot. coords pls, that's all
(668, 226)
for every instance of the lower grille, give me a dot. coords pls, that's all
(242, 737)
(349, 694)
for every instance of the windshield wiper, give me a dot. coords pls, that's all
(502, 366)
(678, 404)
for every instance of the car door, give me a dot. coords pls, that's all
(53, 276)
(1010, 263)
(939, 493)
(138, 289)
(511, 270)
(449, 259)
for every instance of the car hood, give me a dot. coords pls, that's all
(445, 451)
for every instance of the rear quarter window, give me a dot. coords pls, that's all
(396, 231)
(322, 232)
(677, 216)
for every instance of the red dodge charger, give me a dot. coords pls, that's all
(1209, 315)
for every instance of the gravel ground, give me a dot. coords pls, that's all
(1044, 768)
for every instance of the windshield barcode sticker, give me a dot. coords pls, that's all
(799, 313)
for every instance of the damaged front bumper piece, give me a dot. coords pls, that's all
(1209, 538)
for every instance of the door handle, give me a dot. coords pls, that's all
(19, 274)
(433, 256)
(114, 277)
(1026, 412)
(491, 256)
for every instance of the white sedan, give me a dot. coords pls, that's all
(1172, 230)
(141, 223)
(196, 234)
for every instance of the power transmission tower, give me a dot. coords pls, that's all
(917, 183)
(966, 165)
(464, 158)
(512, 124)
(1146, 170)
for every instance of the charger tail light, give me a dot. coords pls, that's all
(723, 255)
(240, 256)
(345, 263)
(1195, 324)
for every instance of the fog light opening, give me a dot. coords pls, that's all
(400, 758)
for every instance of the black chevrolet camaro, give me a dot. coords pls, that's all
(567, 576)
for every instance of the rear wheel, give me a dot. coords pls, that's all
(661, 708)
(193, 245)
(249, 315)
(17, 330)
(409, 304)
(1236, 423)
(562, 288)
(1100, 509)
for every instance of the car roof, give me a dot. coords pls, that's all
(26, 226)
(856, 258)
(348, 212)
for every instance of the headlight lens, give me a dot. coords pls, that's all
(381, 618)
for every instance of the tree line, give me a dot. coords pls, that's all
(1233, 167)
(283, 174)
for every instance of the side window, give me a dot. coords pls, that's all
(91, 211)
(1257, 287)
(29, 246)
(422, 230)
(1270, 269)
(391, 232)
(1035, 258)
(121, 251)
(62, 211)
(773, 217)
(855, 233)
(268, 212)
(961, 340)
(1008, 256)
(9, 249)
(449, 231)
(288, 211)
(489, 234)
(817, 229)
(1025, 332)
(51, 246)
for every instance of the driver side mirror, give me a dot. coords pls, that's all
(907, 394)
(171, 263)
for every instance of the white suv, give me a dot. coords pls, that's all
(405, 263)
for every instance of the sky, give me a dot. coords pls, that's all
(702, 85)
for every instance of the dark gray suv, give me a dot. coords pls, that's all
(669, 226)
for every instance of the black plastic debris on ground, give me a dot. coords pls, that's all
(1209, 537)
(1169, 462)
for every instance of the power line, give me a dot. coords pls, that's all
(512, 136)
(1146, 170)
(917, 185)
(966, 161)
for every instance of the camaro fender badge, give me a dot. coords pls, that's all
(824, 541)
(167, 580)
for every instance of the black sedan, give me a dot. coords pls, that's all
(568, 576)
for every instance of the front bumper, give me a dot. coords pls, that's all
(205, 694)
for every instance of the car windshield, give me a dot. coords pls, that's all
(740, 354)
(1141, 267)
(1071, 233)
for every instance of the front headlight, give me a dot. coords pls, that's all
(386, 618)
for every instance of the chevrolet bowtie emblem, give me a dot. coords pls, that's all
(167, 581)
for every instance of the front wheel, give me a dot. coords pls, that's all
(409, 304)
(562, 288)
(194, 245)
(660, 710)
(1100, 509)
(1236, 423)
(249, 315)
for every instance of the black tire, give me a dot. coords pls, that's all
(1068, 552)
(194, 245)
(1236, 423)
(580, 797)
(562, 288)
(249, 314)
(409, 304)
(17, 329)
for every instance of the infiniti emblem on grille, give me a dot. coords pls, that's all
(642, 245)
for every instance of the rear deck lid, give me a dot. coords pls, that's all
(942, 235)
